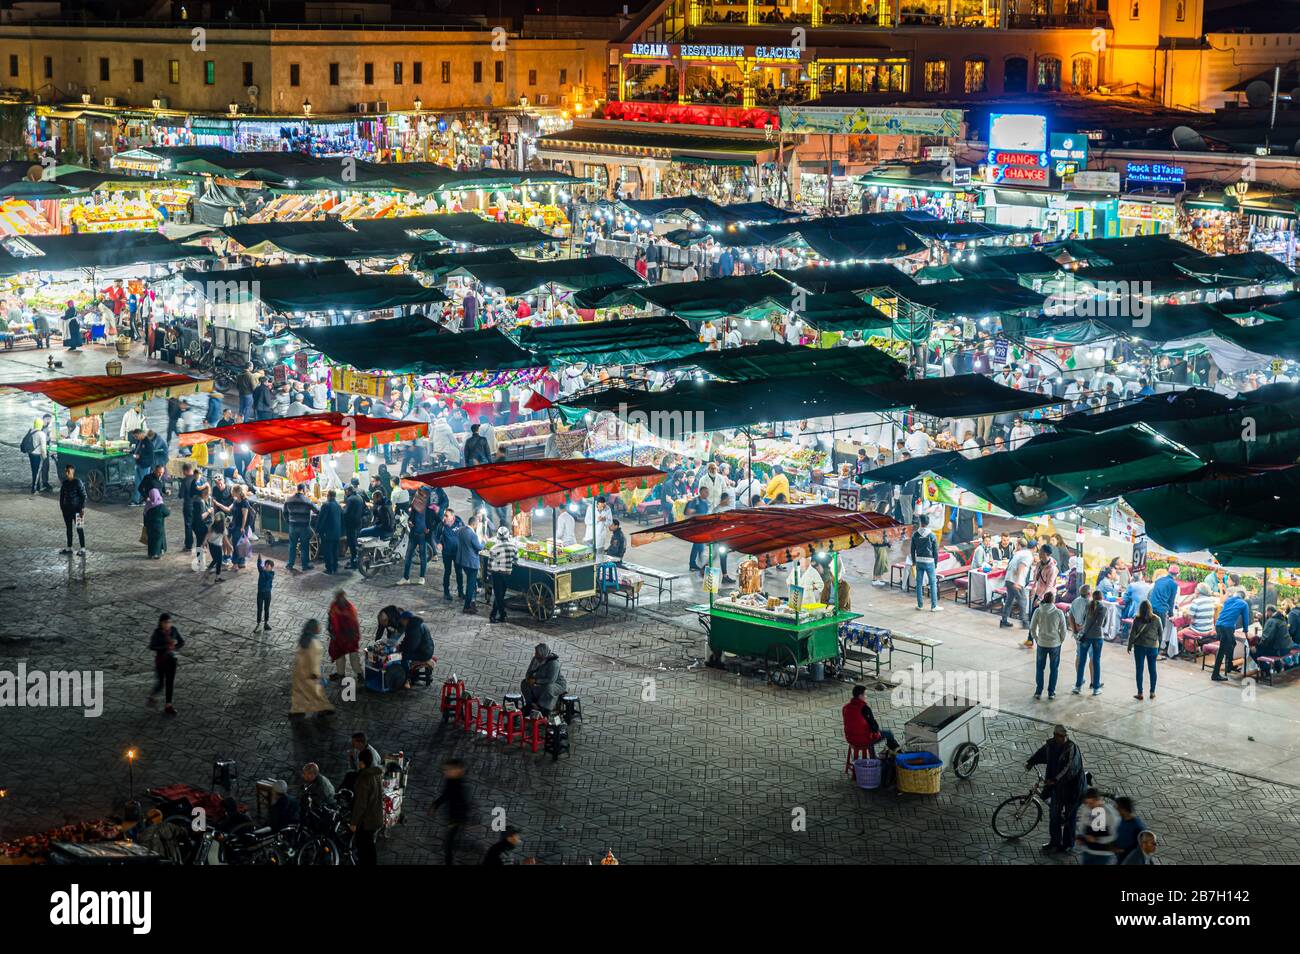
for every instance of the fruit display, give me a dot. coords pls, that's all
(114, 217)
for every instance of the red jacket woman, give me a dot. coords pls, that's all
(344, 628)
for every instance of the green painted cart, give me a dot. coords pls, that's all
(102, 471)
(546, 587)
(783, 645)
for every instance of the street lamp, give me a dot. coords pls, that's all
(306, 107)
(234, 108)
(130, 767)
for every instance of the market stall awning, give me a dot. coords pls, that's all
(571, 274)
(707, 210)
(311, 435)
(1245, 268)
(843, 312)
(634, 341)
(714, 298)
(988, 264)
(961, 395)
(94, 394)
(1207, 514)
(1275, 548)
(1151, 278)
(758, 531)
(551, 481)
(775, 359)
(599, 140)
(974, 297)
(416, 345)
(466, 228)
(57, 253)
(441, 264)
(857, 277)
(1153, 409)
(312, 287)
(1118, 251)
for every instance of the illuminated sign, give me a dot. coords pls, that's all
(1018, 132)
(776, 52)
(1004, 158)
(1155, 173)
(1069, 147)
(659, 51)
(712, 51)
(1021, 175)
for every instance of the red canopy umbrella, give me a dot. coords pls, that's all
(553, 481)
(311, 434)
(774, 534)
(96, 393)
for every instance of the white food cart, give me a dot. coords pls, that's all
(953, 730)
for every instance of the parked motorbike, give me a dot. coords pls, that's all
(376, 555)
(321, 838)
(243, 846)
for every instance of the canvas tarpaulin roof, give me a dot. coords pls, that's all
(974, 297)
(1116, 251)
(1204, 515)
(635, 341)
(572, 274)
(960, 395)
(1154, 278)
(1172, 406)
(361, 238)
(416, 345)
(94, 394)
(552, 481)
(711, 212)
(857, 277)
(1243, 268)
(843, 312)
(113, 250)
(763, 530)
(312, 435)
(774, 359)
(440, 264)
(714, 298)
(312, 287)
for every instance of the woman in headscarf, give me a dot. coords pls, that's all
(308, 693)
(155, 521)
(543, 684)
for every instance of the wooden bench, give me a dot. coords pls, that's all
(922, 647)
(659, 576)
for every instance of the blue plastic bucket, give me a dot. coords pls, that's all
(866, 773)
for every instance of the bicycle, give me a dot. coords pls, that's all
(1019, 815)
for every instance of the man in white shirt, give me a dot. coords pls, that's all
(133, 420)
(565, 527)
(600, 520)
(855, 340)
(793, 330)
(1017, 578)
(711, 485)
(970, 448)
(804, 574)
(918, 442)
(689, 274)
(709, 336)
(733, 338)
(747, 488)
(1020, 434)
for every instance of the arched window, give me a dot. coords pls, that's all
(1015, 75)
(1180, 11)
(977, 76)
(1049, 74)
(1135, 11)
(1081, 73)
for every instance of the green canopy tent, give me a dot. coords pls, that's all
(467, 228)
(1153, 278)
(709, 212)
(1207, 514)
(634, 341)
(857, 277)
(749, 296)
(1017, 266)
(312, 287)
(974, 297)
(1245, 268)
(1117, 251)
(1056, 472)
(572, 274)
(960, 395)
(1065, 329)
(1268, 549)
(1154, 409)
(440, 265)
(416, 345)
(57, 253)
(1165, 323)
(843, 312)
(608, 296)
(774, 359)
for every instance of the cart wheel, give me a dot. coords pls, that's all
(782, 667)
(541, 602)
(589, 604)
(966, 759)
(95, 486)
(313, 548)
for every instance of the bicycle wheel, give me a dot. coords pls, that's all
(1017, 816)
(319, 851)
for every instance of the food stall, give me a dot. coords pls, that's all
(801, 628)
(548, 574)
(103, 464)
(298, 444)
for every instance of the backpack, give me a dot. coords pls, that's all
(28, 445)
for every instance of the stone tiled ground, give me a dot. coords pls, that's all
(712, 770)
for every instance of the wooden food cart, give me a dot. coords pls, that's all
(788, 633)
(548, 575)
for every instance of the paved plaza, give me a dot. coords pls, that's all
(673, 762)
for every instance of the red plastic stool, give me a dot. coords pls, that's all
(857, 752)
(534, 733)
(452, 690)
(466, 712)
(486, 724)
(510, 724)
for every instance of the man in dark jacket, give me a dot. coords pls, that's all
(245, 385)
(508, 842)
(72, 504)
(155, 479)
(455, 795)
(417, 641)
(298, 512)
(186, 494)
(354, 512)
(1065, 785)
(448, 541)
(329, 527)
(476, 448)
(1276, 638)
(157, 448)
(263, 401)
(468, 547)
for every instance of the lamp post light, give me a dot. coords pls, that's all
(306, 107)
(130, 768)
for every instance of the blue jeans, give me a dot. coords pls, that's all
(300, 537)
(697, 555)
(1088, 647)
(924, 571)
(246, 407)
(414, 542)
(139, 476)
(1043, 655)
(471, 585)
(1148, 655)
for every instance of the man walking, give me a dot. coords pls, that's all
(186, 494)
(455, 795)
(1047, 629)
(36, 445)
(354, 511)
(925, 553)
(72, 504)
(468, 547)
(448, 543)
(1064, 779)
(1017, 594)
(501, 561)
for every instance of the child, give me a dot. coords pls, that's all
(265, 578)
(216, 543)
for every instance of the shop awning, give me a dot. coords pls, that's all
(708, 211)
(551, 481)
(416, 345)
(571, 274)
(774, 359)
(635, 341)
(95, 394)
(57, 253)
(312, 287)
(597, 139)
(442, 264)
(713, 298)
(919, 176)
(1208, 514)
(311, 435)
(974, 297)
(843, 312)
(858, 277)
(759, 531)
(961, 395)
